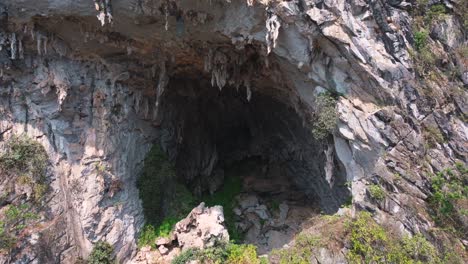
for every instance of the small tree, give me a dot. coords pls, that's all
(101, 254)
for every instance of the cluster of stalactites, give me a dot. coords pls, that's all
(217, 63)
(41, 39)
(14, 42)
(142, 104)
(104, 7)
(162, 83)
(272, 27)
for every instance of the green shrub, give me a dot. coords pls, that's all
(420, 39)
(376, 192)
(433, 135)
(149, 233)
(300, 253)
(368, 240)
(370, 243)
(326, 117)
(242, 254)
(26, 160)
(216, 254)
(435, 13)
(222, 254)
(147, 236)
(449, 196)
(417, 248)
(101, 254)
(13, 222)
(186, 256)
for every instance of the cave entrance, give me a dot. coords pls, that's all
(285, 176)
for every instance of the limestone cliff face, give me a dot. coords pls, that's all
(97, 92)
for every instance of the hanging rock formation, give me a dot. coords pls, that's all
(97, 93)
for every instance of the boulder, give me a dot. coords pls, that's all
(202, 228)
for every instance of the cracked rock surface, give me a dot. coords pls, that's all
(216, 81)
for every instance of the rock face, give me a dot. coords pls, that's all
(202, 228)
(218, 81)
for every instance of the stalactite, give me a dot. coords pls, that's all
(219, 72)
(33, 33)
(3, 40)
(137, 100)
(86, 37)
(109, 11)
(209, 61)
(38, 46)
(248, 89)
(20, 48)
(99, 70)
(146, 108)
(272, 27)
(102, 18)
(129, 50)
(44, 44)
(250, 2)
(13, 46)
(41, 42)
(162, 83)
(104, 7)
(166, 14)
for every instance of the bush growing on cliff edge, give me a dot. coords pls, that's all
(449, 196)
(222, 253)
(376, 192)
(301, 253)
(26, 160)
(13, 222)
(325, 118)
(101, 254)
(371, 243)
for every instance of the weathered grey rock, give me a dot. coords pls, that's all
(202, 228)
(163, 250)
(98, 97)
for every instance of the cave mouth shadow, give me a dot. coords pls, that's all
(213, 134)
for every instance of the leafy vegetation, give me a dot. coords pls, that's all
(149, 234)
(164, 201)
(223, 253)
(242, 254)
(325, 120)
(450, 196)
(12, 223)
(26, 160)
(432, 135)
(102, 254)
(368, 240)
(371, 243)
(435, 13)
(300, 253)
(155, 184)
(420, 39)
(376, 192)
(23, 163)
